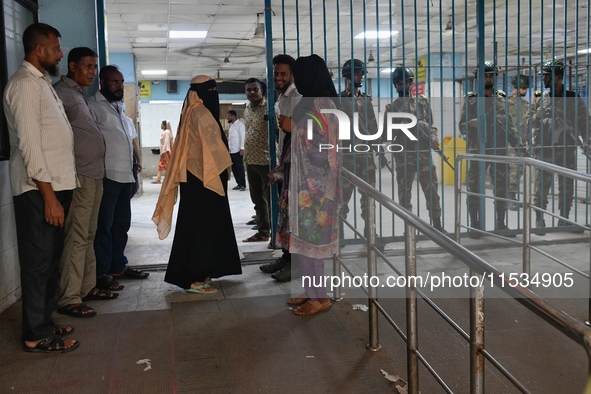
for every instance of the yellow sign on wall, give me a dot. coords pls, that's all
(145, 89)
(422, 69)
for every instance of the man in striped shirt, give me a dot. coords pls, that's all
(42, 177)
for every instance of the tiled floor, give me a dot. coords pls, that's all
(244, 339)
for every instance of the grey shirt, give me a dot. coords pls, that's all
(89, 144)
(113, 125)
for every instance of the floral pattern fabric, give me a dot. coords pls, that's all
(315, 185)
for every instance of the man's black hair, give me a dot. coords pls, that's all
(107, 70)
(261, 84)
(233, 113)
(284, 59)
(79, 52)
(35, 34)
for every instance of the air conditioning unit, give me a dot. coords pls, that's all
(171, 86)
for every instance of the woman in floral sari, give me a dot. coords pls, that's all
(315, 190)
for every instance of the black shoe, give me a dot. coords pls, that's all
(253, 221)
(575, 230)
(472, 233)
(236, 188)
(275, 266)
(242, 188)
(437, 225)
(502, 229)
(284, 275)
(540, 227)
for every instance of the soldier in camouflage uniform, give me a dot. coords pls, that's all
(416, 156)
(558, 118)
(518, 109)
(499, 130)
(354, 101)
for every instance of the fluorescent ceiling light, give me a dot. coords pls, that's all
(376, 34)
(387, 70)
(154, 72)
(588, 50)
(187, 34)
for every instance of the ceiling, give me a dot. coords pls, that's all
(142, 26)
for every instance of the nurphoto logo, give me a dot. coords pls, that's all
(345, 130)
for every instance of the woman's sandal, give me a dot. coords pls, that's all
(52, 344)
(297, 300)
(62, 330)
(202, 289)
(77, 310)
(312, 307)
(99, 295)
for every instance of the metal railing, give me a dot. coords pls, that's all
(529, 165)
(478, 267)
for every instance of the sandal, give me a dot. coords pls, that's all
(202, 289)
(258, 237)
(131, 273)
(312, 307)
(98, 294)
(77, 310)
(297, 300)
(51, 344)
(108, 283)
(62, 330)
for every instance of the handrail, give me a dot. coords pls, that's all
(543, 165)
(527, 194)
(574, 329)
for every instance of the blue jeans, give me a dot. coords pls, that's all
(113, 223)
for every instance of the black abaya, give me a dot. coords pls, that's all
(204, 242)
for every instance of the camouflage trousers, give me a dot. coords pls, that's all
(364, 167)
(406, 170)
(543, 181)
(515, 172)
(498, 175)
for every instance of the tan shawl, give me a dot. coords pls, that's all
(199, 149)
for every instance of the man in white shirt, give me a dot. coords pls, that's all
(288, 98)
(42, 176)
(115, 212)
(236, 147)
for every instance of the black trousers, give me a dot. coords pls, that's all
(238, 169)
(40, 248)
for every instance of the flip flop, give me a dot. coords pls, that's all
(202, 289)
